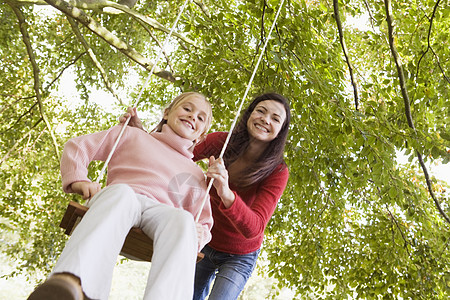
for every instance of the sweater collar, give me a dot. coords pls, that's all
(178, 143)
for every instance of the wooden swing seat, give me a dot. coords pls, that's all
(137, 245)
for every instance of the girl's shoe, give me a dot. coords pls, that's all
(58, 287)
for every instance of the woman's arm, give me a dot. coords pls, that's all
(251, 219)
(219, 173)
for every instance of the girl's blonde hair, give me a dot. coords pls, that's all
(177, 102)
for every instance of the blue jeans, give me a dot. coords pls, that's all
(231, 272)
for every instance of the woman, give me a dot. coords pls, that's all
(248, 182)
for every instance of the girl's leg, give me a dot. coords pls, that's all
(232, 275)
(92, 250)
(205, 271)
(174, 251)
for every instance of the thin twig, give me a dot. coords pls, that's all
(21, 116)
(440, 66)
(337, 17)
(429, 45)
(400, 230)
(159, 44)
(371, 18)
(63, 70)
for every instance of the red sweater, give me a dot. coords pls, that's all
(239, 229)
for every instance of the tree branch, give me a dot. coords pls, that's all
(262, 31)
(406, 102)
(110, 7)
(94, 59)
(37, 84)
(337, 17)
(109, 37)
(203, 7)
(153, 23)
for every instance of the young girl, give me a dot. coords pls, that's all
(152, 184)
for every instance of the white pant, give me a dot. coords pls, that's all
(92, 250)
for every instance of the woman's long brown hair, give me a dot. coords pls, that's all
(271, 158)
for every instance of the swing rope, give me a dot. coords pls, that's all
(227, 140)
(134, 238)
(102, 172)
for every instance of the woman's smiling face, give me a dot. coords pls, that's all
(266, 120)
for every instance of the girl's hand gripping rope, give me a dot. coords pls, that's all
(134, 121)
(86, 189)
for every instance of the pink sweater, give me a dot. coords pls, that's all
(158, 165)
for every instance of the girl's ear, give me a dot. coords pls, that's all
(166, 114)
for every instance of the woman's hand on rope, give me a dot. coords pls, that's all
(86, 189)
(219, 173)
(134, 121)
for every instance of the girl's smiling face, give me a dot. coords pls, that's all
(189, 118)
(266, 120)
